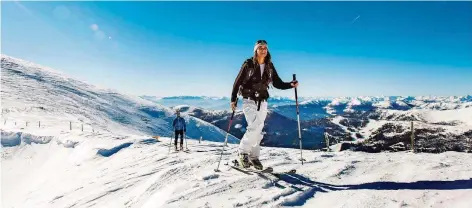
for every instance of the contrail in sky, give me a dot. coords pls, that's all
(356, 18)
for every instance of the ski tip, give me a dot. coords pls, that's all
(267, 170)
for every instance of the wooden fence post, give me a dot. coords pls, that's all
(327, 142)
(470, 145)
(412, 137)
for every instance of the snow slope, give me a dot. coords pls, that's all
(455, 121)
(460, 116)
(144, 174)
(49, 99)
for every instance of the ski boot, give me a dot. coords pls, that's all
(256, 163)
(176, 149)
(244, 160)
(181, 148)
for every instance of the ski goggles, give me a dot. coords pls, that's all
(261, 42)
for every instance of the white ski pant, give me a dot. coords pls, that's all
(255, 123)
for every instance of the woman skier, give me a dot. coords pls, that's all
(252, 83)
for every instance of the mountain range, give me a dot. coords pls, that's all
(33, 93)
(441, 123)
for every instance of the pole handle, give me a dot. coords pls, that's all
(236, 104)
(296, 94)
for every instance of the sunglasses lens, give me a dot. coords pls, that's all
(261, 41)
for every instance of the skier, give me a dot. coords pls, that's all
(179, 129)
(252, 82)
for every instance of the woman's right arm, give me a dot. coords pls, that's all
(238, 81)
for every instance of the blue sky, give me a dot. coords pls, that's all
(197, 48)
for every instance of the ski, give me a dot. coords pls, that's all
(241, 170)
(265, 170)
(236, 166)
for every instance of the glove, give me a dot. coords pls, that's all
(233, 106)
(294, 83)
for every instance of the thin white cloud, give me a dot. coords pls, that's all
(23, 8)
(94, 27)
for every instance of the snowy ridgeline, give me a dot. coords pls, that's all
(39, 100)
(327, 105)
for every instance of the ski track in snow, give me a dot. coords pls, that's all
(147, 175)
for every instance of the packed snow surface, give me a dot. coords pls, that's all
(101, 171)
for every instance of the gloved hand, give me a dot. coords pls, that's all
(294, 83)
(233, 106)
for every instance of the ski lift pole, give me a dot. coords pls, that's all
(226, 139)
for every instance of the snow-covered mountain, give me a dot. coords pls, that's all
(322, 107)
(357, 119)
(279, 130)
(44, 97)
(434, 130)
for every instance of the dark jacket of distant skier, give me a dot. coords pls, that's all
(252, 83)
(179, 129)
(179, 124)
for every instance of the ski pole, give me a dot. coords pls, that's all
(226, 139)
(229, 125)
(170, 143)
(186, 147)
(298, 118)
